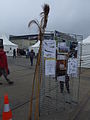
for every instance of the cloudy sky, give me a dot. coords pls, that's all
(69, 16)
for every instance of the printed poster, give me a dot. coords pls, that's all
(72, 67)
(61, 78)
(50, 66)
(49, 48)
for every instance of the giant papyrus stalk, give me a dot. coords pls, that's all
(38, 77)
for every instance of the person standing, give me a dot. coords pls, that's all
(3, 63)
(66, 84)
(27, 53)
(31, 57)
(14, 53)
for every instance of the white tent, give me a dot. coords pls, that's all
(86, 52)
(35, 47)
(8, 46)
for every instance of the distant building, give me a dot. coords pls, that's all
(25, 41)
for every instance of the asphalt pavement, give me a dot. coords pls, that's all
(19, 93)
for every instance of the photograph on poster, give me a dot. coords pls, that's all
(62, 47)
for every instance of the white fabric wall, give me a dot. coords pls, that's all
(86, 55)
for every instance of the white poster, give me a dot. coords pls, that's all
(61, 57)
(61, 78)
(72, 66)
(50, 67)
(49, 48)
(61, 44)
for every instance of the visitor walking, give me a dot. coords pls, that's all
(31, 57)
(3, 64)
(14, 53)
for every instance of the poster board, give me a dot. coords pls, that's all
(49, 50)
(50, 65)
(61, 66)
(66, 63)
(72, 67)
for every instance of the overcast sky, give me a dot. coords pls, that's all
(69, 16)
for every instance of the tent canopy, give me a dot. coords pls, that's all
(86, 53)
(8, 46)
(35, 47)
(6, 41)
(36, 44)
(87, 40)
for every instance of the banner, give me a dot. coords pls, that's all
(50, 66)
(72, 67)
(49, 50)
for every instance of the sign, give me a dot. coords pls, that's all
(61, 78)
(61, 57)
(49, 48)
(50, 66)
(72, 66)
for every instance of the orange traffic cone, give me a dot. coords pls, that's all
(7, 114)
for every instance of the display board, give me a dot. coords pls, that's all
(49, 50)
(60, 59)
(66, 63)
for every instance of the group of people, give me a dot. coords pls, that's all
(30, 54)
(4, 70)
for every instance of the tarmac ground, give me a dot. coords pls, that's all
(19, 94)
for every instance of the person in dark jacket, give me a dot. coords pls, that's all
(31, 57)
(4, 65)
(14, 53)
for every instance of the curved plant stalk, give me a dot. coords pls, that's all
(41, 28)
